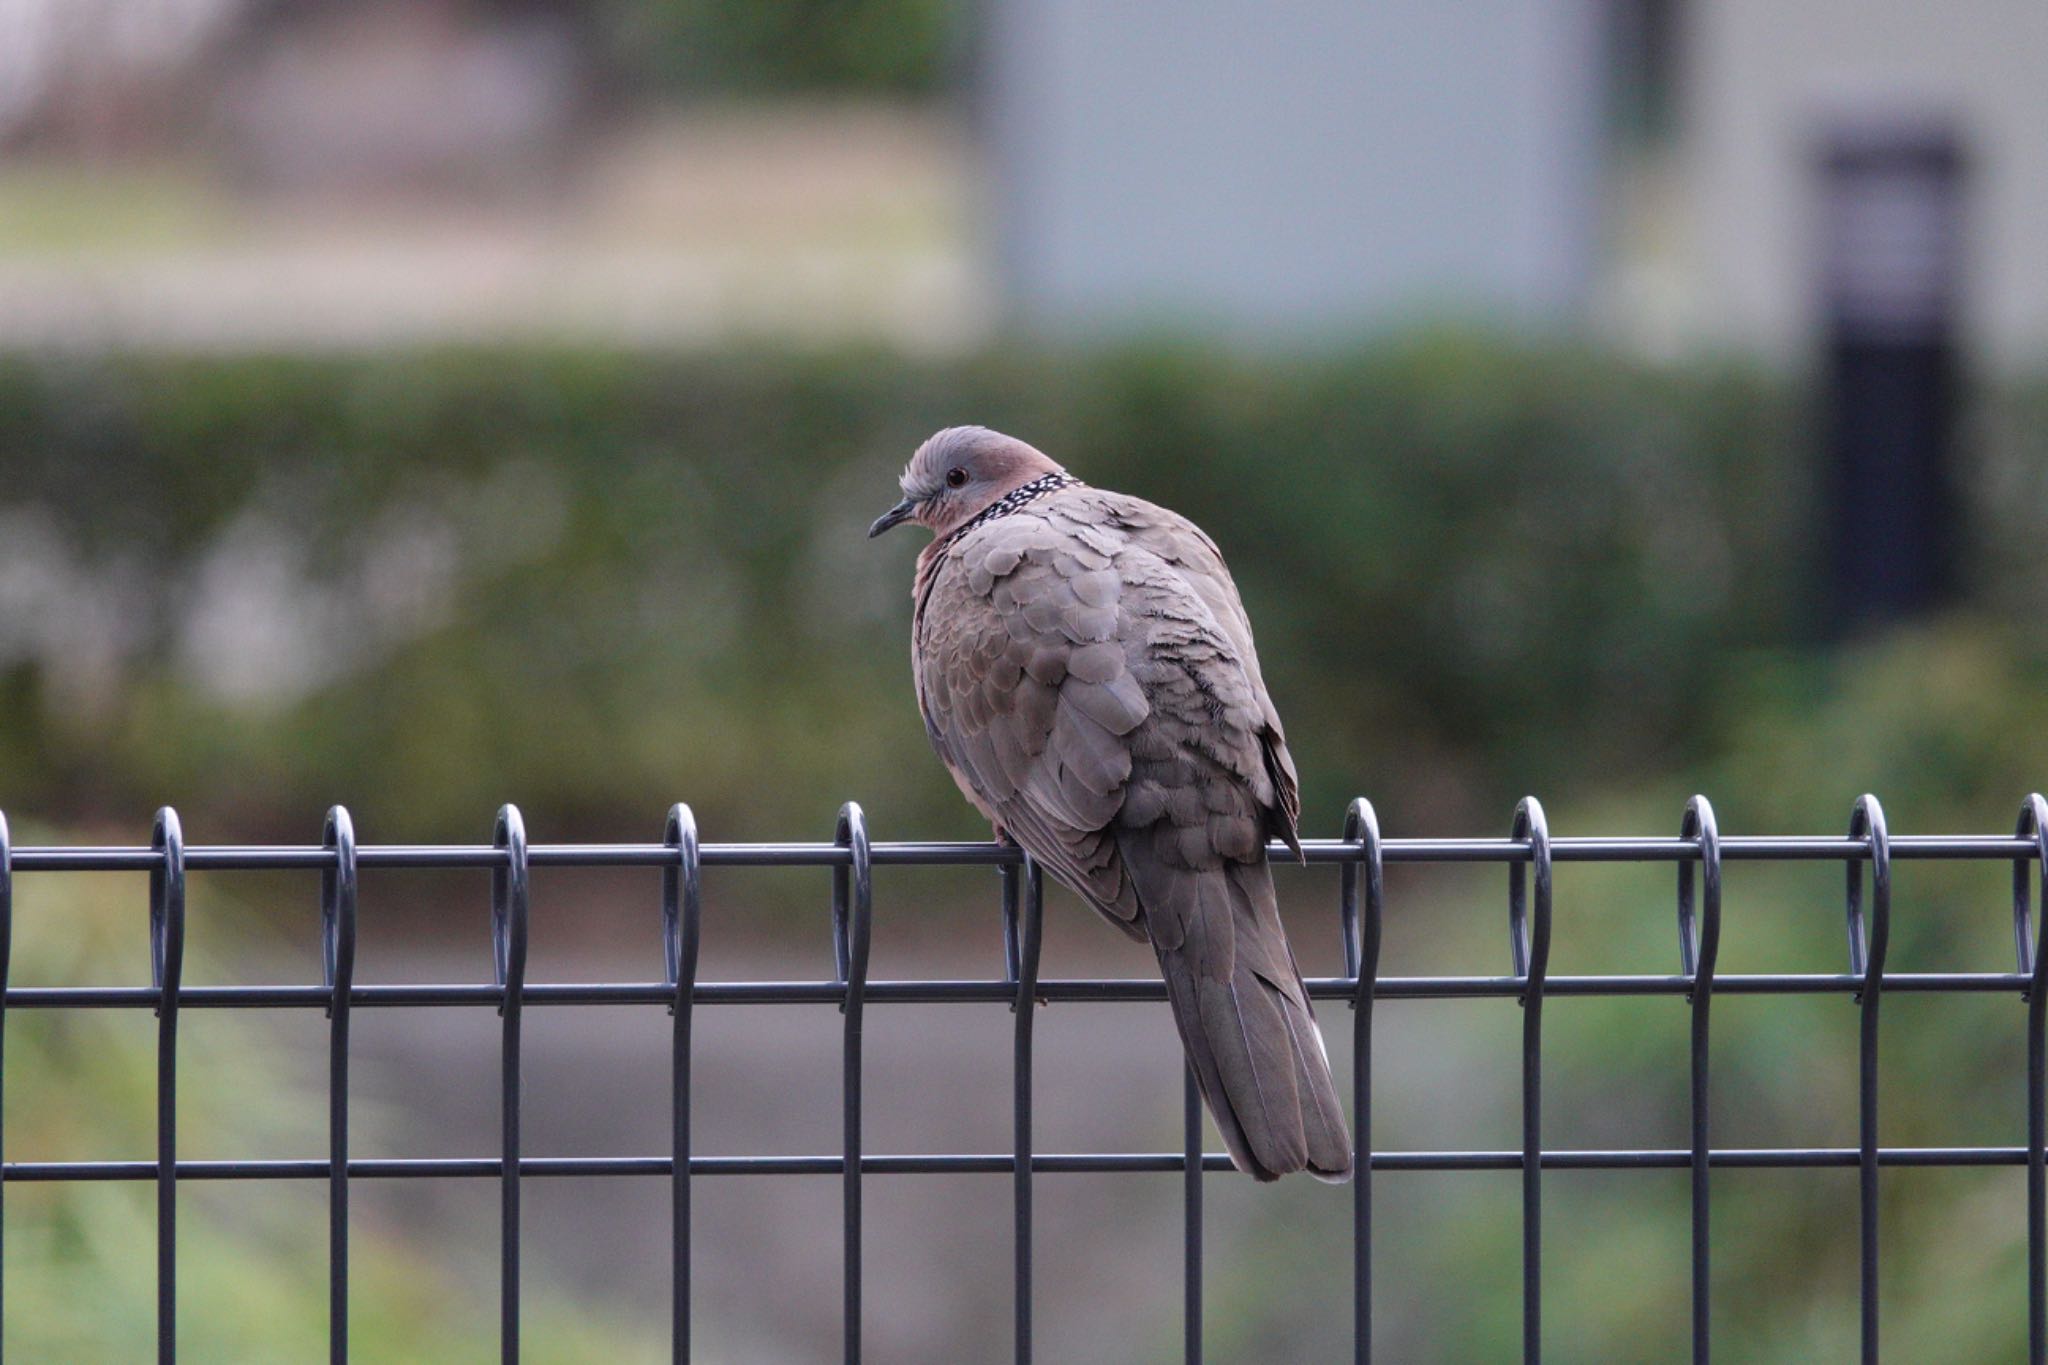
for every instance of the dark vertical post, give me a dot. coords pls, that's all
(1022, 927)
(682, 912)
(509, 903)
(1529, 941)
(1699, 946)
(852, 919)
(6, 956)
(2033, 961)
(338, 963)
(1867, 946)
(1891, 272)
(1361, 925)
(1191, 1205)
(167, 968)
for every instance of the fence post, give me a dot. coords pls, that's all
(6, 959)
(1529, 937)
(1867, 946)
(853, 903)
(1023, 932)
(2033, 965)
(682, 913)
(509, 906)
(338, 972)
(1361, 924)
(1699, 948)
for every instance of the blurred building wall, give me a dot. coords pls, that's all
(1764, 79)
(1319, 163)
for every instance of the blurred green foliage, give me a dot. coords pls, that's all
(1948, 724)
(901, 47)
(424, 584)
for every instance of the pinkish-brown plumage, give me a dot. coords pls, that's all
(1086, 673)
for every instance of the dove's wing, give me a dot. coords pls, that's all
(1028, 698)
(1085, 671)
(1187, 548)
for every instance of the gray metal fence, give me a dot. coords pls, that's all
(1529, 853)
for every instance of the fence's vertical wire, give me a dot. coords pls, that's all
(852, 919)
(1361, 925)
(1529, 941)
(338, 970)
(1867, 944)
(2033, 964)
(167, 970)
(682, 911)
(1191, 1213)
(509, 905)
(1023, 924)
(1699, 947)
(6, 959)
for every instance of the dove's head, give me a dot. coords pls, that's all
(957, 474)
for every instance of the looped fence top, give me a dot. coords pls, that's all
(509, 899)
(338, 909)
(682, 903)
(1869, 940)
(2032, 952)
(167, 909)
(1362, 915)
(853, 900)
(1529, 931)
(1023, 929)
(1699, 934)
(6, 904)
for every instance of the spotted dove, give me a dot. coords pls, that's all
(1086, 673)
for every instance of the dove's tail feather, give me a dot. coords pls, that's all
(1257, 1055)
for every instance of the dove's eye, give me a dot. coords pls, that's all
(956, 477)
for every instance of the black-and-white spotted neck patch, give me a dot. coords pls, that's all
(1017, 498)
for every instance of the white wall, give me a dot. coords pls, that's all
(1317, 163)
(1760, 77)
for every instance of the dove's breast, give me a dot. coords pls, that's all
(1074, 679)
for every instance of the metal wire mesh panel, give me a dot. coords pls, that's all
(1529, 855)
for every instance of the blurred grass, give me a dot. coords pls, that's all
(53, 209)
(252, 1256)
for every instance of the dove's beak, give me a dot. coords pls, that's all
(899, 513)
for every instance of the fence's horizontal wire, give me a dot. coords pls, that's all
(940, 992)
(1071, 1163)
(1734, 848)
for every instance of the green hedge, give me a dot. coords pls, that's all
(1474, 568)
(900, 47)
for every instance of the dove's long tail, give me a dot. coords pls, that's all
(1244, 1018)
